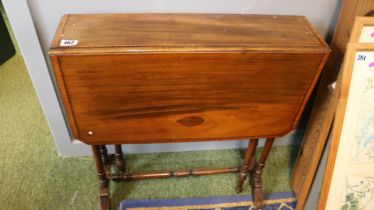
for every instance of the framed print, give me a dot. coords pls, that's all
(363, 30)
(349, 176)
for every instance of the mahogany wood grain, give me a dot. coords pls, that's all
(133, 78)
(142, 98)
(179, 32)
(63, 94)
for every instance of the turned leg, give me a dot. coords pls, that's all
(104, 154)
(103, 181)
(252, 144)
(257, 174)
(119, 158)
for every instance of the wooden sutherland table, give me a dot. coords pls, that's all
(155, 78)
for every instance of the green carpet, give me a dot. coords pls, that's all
(32, 176)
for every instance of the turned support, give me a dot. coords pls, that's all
(252, 144)
(104, 154)
(119, 158)
(257, 174)
(103, 172)
(169, 174)
(103, 180)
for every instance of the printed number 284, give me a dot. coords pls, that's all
(361, 57)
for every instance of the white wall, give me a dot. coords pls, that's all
(34, 32)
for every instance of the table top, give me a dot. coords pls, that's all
(185, 32)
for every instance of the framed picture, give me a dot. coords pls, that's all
(349, 176)
(363, 30)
